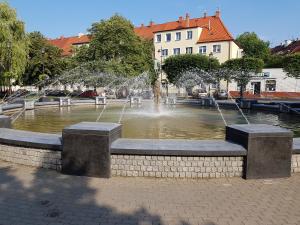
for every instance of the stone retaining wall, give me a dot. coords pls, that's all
(296, 163)
(178, 167)
(40, 158)
(141, 166)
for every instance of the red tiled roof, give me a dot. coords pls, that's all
(66, 43)
(213, 28)
(293, 47)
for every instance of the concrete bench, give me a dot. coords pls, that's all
(30, 139)
(176, 147)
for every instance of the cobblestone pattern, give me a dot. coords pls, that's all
(296, 163)
(40, 158)
(178, 167)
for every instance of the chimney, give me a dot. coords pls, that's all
(205, 14)
(151, 23)
(187, 17)
(180, 21)
(218, 13)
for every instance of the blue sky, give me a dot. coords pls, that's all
(273, 20)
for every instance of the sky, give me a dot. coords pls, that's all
(272, 20)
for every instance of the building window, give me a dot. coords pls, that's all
(178, 36)
(176, 51)
(217, 48)
(168, 37)
(164, 52)
(202, 50)
(158, 38)
(189, 50)
(270, 85)
(189, 35)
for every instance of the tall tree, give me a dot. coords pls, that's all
(13, 45)
(253, 46)
(44, 59)
(175, 66)
(115, 41)
(291, 65)
(243, 70)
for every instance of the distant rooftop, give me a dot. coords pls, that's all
(287, 47)
(213, 30)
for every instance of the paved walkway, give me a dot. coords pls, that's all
(31, 196)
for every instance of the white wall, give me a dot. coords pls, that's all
(283, 82)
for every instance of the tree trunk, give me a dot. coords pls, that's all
(241, 92)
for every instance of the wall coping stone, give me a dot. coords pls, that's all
(296, 146)
(176, 147)
(258, 130)
(92, 127)
(30, 139)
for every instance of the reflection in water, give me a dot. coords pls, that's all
(148, 121)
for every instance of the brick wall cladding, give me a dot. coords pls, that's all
(296, 163)
(40, 158)
(141, 166)
(178, 167)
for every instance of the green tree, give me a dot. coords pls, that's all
(243, 70)
(291, 65)
(175, 66)
(44, 60)
(274, 61)
(13, 45)
(253, 46)
(115, 42)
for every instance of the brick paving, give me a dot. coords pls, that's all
(30, 196)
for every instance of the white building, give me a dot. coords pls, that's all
(270, 80)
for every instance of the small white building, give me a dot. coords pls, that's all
(270, 80)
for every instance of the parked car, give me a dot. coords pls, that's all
(221, 94)
(202, 94)
(89, 94)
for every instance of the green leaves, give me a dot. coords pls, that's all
(13, 45)
(175, 66)
(291, 65)
(253, 46)
(115, 43)
(243, 69)
(44, 59)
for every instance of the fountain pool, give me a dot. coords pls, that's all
(146, 121)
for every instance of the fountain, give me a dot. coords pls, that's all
(135, 101)
(100, 100)
(145, 118)
(64, 102)
(29, 104)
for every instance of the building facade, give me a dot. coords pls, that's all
(271, 82)
(206, 35)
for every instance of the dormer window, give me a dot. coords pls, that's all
(168, 37)
(189, 35)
